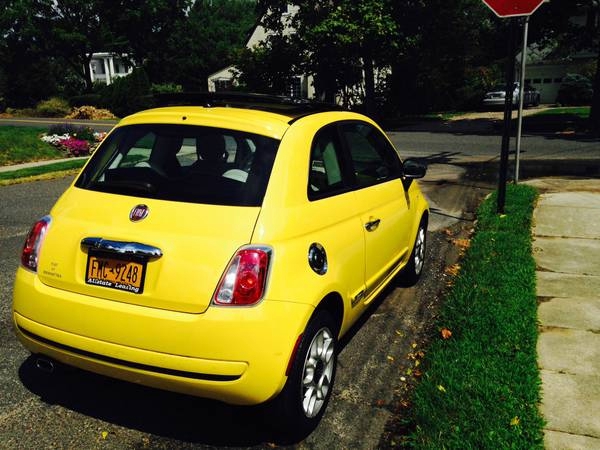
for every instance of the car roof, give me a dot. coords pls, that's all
(256, 113)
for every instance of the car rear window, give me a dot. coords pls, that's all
(183, 163)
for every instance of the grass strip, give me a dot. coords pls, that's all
(582, 112)
(39, 171)
(23, 144)
(481, 386)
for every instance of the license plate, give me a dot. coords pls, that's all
(124, 275)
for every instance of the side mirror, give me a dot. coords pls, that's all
(412, 170)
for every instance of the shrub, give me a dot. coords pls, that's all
(166, 88)
(85, 99)
(90, 113)
(575, 90)
(53, 107)
(130, 94)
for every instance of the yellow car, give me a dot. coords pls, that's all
(222, 250)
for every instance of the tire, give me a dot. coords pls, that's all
(412, 271)
(299, 407)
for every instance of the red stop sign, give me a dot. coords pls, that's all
(511, 8)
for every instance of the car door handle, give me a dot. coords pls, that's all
(372, 225)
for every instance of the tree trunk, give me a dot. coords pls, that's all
(370, 107)
(594, 120)
(87, 73)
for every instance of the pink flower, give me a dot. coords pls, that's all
(74, 146)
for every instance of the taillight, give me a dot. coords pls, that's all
(33, 243)
(244, 280)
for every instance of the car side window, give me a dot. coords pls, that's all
(139, 154)
(325, 175)
(374, 159)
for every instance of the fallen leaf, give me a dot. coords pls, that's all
(446, 333)
(380, 403)
(452, 270)
(414, 345)
(441, 388)
(515, 421)
(462, 243)
(390, 358)
(104, 434)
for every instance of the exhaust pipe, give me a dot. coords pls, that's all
(44, 364)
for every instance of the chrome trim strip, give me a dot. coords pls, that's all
(122, 248)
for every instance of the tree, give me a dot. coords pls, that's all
(339, 42)
(553, 25)
(73, 30)
(28, 74)
(206, 39)
(448, 54)
(45, 43)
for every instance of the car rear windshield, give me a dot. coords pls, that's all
(182, 163)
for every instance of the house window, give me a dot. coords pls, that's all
(120, 67)
(547, 80)
(223, 84)
(558, 80)
(98, 67)
(296, 87)
(537, 80)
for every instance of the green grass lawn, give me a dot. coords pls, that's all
(582, 112)
(480, 387)
(23, 144)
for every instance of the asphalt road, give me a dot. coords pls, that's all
(73, 409)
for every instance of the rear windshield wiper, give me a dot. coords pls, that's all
(117, 186)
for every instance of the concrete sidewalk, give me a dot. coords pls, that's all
(567, 252)
(38, 163)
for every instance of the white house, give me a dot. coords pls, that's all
(546, 72)
(224, 79)
(105, 67)
(546, 66)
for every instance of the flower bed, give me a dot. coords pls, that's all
(74, 141)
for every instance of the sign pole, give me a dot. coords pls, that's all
(521, 92)
(510, 81)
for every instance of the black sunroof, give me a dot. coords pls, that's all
(289, 106)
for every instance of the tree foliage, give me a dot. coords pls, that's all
(420, 54)
(47, 45)
(335, 41)
(557, 28)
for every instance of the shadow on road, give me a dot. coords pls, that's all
(160, 413)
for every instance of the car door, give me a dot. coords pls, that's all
(381, 202)
(333, 202)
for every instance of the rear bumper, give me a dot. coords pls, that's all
(236, 355)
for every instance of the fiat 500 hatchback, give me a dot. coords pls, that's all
(222, 250)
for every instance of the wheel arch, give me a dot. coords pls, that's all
(334, 305)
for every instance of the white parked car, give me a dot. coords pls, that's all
(496, 96)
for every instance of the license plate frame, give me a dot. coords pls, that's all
(114, 271)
